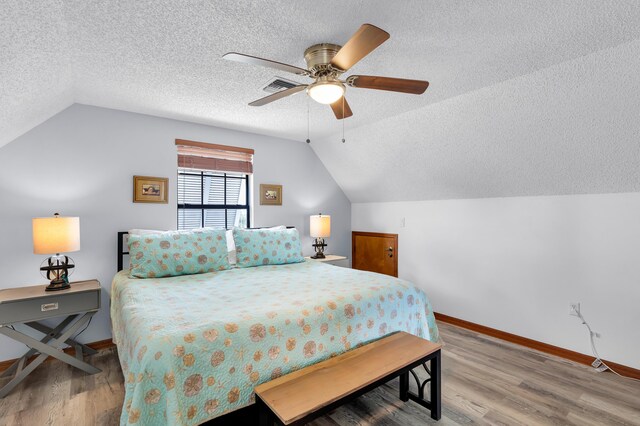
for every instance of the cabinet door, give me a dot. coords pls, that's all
(375, 252)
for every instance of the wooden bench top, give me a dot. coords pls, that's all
(298, 394)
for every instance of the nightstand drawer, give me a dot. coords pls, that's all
(38, 308)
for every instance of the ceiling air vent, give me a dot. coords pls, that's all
(278, 84)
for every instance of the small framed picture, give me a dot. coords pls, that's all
(147, 189)
(271, 195)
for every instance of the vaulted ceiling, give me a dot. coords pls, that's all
(164, 58)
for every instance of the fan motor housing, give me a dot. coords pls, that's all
(318, 58)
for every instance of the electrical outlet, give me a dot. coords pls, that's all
(574, 309)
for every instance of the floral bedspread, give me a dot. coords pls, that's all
(194, 347)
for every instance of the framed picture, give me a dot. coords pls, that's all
(271, 195)
(147, 189)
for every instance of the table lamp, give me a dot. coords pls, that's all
(55, 235)
(320, 228)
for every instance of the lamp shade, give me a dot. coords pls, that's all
(57, 234)
(320, 226)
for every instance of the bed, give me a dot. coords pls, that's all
(193, 347)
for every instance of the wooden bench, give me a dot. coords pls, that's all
(299, 397)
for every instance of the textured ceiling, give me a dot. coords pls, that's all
(572, 128)
(36, 74)
(164, 57)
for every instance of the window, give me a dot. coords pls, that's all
(209, 195)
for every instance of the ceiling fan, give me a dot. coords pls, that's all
(326, 62)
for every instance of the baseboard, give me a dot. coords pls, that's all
(534, 344)
(101, 344)
(98, 346)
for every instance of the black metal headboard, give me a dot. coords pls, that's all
(121, 246)
(121, 252)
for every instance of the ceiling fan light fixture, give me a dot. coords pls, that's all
(326, 64)
(326, 91)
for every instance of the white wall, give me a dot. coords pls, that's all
(81, 163)
(515, 263)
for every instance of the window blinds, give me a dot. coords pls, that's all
(207, 156)
(211, 199)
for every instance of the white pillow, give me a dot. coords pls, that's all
(231, 245)
(144, 231)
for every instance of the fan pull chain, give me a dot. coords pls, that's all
(343, 119)
(308, 120)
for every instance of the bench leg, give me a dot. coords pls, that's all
(434, 403)
(265, 416)
(404, 387)
(436, 396)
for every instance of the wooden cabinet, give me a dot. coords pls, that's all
(375, 252)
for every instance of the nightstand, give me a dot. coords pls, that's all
(28, 306)
(332, 259)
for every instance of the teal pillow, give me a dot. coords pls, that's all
(175, 253)
(256, 247)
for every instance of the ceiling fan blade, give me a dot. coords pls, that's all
(338, 110)
(254, 60)
(416, 87)
(364, 41)
(279, 95)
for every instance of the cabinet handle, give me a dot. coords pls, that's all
(49, 307)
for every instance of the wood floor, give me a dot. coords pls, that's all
(485, 381)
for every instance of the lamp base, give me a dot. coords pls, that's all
(57, 270)
(57, 285)
(318, 246)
